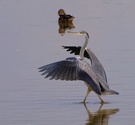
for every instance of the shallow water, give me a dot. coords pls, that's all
(29, 38)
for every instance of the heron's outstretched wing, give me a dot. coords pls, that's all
(76, 50)
(69, 69)
(63, 70)
(95, 63)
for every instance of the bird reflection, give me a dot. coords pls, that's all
(65, 21)
(100, 117)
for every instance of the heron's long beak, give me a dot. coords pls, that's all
(74, 32)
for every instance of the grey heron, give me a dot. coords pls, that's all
(76, 68)
(95, 63)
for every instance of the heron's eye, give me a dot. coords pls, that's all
(87, 35)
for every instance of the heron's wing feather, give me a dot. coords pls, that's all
(76, 50)
(104, 87)
(102, 81)
(63, 70)
(96, 64)
(90, 82)
(69, 69)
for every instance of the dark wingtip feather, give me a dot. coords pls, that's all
(76, 50)
(40, 67)
(116, 93)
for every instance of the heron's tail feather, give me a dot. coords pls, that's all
(105, 88)
(110, 92)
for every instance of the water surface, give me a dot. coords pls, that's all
(29, 38)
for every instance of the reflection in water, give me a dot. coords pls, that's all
(100, 117)
(65, 21)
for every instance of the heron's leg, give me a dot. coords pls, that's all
(100, 99)
(87, 93)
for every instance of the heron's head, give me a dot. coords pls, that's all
(82, 33)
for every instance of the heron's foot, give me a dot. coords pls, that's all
(83, 102)
(102, 102)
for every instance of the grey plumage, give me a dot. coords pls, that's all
(76, 68)
(71, 69)
(95, 63)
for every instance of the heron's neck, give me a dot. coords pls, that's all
(83, 48)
